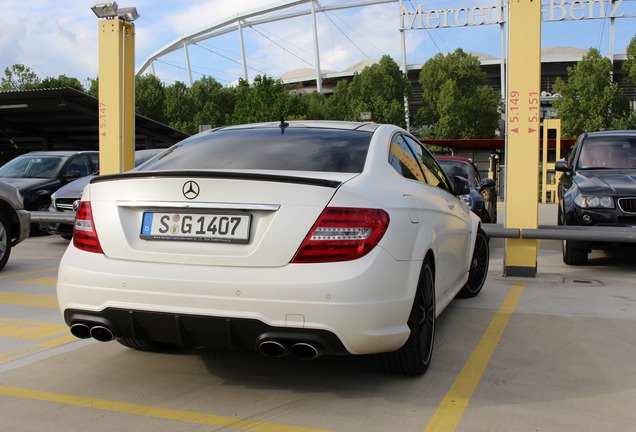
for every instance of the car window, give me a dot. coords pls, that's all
(95, 161)
(432, 171)
(80, 164)
(455, 168)
(404, 161)
(269, 148)
(607, 152)
(32, 167)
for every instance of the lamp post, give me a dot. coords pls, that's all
(116, 111)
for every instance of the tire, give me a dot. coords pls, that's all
(5, 240)
(478, 267)
(573, 255)
(414, 357)
(144, 345)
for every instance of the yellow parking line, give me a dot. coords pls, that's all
(34, 349)
(149, 411)
(10, 275)
(25, 299)
(23, 329)
(46, 281)
(450, 411)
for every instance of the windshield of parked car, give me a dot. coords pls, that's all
(608, 153)
(459, 169)
(297, 149)
(32, 167)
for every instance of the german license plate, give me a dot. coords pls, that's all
(224, 228)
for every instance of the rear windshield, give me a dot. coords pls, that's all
(297, 149)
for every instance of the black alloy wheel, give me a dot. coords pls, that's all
(414, 357)
(478, 267)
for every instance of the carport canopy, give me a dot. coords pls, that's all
(65, 119)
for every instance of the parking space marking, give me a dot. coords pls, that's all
(25, 299)
(39, 347)
(46, 281)
(450, 411)
(29, 273)
(24, 329)
(149, 411)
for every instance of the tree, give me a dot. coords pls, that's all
(456, 99)
(265, 100)
(590, 101)
(629, 66)
(18, 77)
(212, 103)
(379, 89)
(59, 82)
(150, 97)
(178, 110)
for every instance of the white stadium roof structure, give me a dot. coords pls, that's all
(311, 76)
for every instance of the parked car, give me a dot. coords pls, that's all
(597, 188)
(38, 174)
(482, 198)
(302, 238)
(14, 221)
(66, 198)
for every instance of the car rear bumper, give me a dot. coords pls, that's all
(24, 222)
(356, 307)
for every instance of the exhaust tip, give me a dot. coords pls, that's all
(102, 334)
(81, 331)
(305, 351)
(272, 348)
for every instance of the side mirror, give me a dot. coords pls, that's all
(562, 166)
(72, 175)
(487, 183)
(461, 186)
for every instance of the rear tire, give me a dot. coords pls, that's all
(5, 240)
(478, 267)
(144, 345)
(415, 355)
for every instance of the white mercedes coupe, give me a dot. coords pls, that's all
(301, 238)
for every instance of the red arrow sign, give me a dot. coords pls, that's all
(530, 130)
(515, 130)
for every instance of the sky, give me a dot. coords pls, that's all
(60, 38)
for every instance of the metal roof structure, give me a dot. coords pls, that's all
(64, 119)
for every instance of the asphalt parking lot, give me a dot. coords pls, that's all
(551, 353)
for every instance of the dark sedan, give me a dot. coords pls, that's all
(38, 174)
(597, 188)
(482, 199)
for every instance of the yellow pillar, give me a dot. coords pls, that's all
(522, 134)
(549, 124)
(116, 96)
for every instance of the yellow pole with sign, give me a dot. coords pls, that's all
(116, 96)
(522, 134)
(548, 184)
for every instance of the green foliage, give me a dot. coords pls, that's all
(629, 66)
(266, 99)
(379, 89)
(150, 97)
(456, 99)
(19, 77)
(179, 111)
(590, 101)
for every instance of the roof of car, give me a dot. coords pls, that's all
(321, 124)
(613, 133)
(58, 153)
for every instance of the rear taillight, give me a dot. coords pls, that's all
(84, 234)
(343, 234)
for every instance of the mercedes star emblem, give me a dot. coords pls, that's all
(190, 189)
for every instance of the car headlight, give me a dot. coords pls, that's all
(593, 201)
(468, 200)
